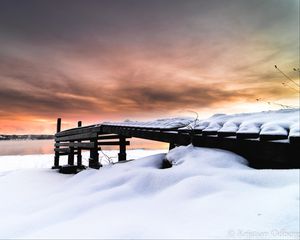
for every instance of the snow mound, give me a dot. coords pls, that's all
(207, 193)
(208, 158)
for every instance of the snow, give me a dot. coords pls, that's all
(208, 193)
(8, 163)
(274, 129)
(213, 126)
(164, 123)
(249, 127)
(229, 127)
(295, 129)
(279, 122)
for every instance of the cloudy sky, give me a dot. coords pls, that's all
(115, 60)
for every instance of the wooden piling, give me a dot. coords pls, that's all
(56, 155)
(71, 155)
(122, 153)
(79, 155)
(94, 156)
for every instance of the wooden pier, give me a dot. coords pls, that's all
(260, 150)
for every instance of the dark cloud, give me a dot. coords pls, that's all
(128, 21)
(46, 93)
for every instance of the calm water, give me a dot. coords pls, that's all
(26, 147)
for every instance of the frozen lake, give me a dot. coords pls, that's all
(26, 147)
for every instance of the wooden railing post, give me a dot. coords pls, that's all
(58, 125)
(56, 155)
(122, 153)
(79, 156)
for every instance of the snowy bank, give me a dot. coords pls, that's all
(9, 163)
(208, 193)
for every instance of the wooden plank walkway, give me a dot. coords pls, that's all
(262, 151)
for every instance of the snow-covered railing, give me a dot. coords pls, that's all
(158, 124)
(268, 125)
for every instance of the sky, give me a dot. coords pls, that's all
(114, 60)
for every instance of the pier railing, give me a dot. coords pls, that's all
(73, 141)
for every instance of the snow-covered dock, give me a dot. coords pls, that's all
(266, 139)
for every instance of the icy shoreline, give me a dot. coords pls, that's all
(29, 161)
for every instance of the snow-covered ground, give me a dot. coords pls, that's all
(208, 193)
(8, 163)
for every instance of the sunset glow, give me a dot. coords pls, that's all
(114, 60)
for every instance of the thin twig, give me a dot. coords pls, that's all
(108, 159)
(278, 104)
(287, 76)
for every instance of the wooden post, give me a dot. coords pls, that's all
(122, 153)
(79, 156)
(56, 156)
(71, 156)
(58, 125)
(94, 156)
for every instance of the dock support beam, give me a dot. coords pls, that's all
(71, 156)
(94, 156)
(56, 156)
(122, 153)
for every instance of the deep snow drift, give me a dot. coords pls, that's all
(208, 193)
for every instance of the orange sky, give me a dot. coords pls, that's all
(114, 60)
